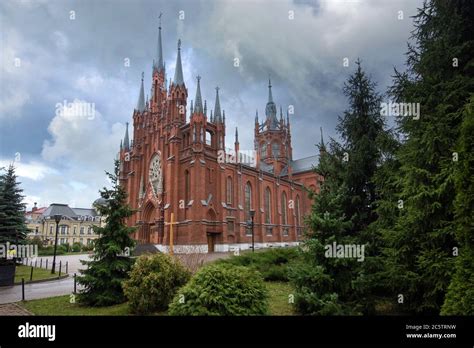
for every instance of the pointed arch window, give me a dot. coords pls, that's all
(268, 206)
(229, 191)
(248, 201)
(284, 212)
(194, 133)
(187, 186)
(298, 211)
(263, 150)
(275, 149)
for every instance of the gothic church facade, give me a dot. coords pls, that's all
(186, 188)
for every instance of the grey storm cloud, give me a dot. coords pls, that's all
(236, 45)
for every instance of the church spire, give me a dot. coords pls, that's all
(178, 73)
(159, 54)
(126, 142)
(270, 96)
(270, 109)
(236, 135)
(141, 97)
(198, 102)
(217, 108)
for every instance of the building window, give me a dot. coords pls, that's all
(263, 150)
(229, 191)
(298, 212)
(285, 231)
(89, 231)
(248, 201)
(187, 186)
(230, 226)
(269, 231)
(74, 230)
(284, 216)
(275, 149)
(63, 229)
(50, 229)
(81, 240)
(194, 133)
(298, 216)
(208, 138)
(268, 206)
(82, 230)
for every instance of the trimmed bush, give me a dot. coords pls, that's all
(49, 250)
(272, 264)
(222, 289)
(154, 280)
(76, 247)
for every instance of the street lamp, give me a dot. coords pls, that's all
(57, 218)
(252, 215)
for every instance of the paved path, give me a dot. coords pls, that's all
(66, 286)
(13, 309)
(46, 289)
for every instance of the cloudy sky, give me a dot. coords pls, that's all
(93, 51)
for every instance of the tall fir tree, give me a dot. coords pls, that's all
(345, 207)
(460, 296)
(102, 280)
(439, 77)
(12, 210)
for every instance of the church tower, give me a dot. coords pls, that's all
(273, 138)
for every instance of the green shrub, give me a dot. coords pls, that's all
(154, 280)
(76, 247)
(222, 289)
(314, 292)
(49, 251)
(272, 264)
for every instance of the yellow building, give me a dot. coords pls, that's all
(75, 226)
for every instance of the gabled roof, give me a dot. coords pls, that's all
(304, 164)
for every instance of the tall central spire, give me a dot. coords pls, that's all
(270, 96)
(159, 57)
(270, 109)
(178, 73)
(217, 108)
(198, 102)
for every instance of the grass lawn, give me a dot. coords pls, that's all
(61, 305)
(38, 273)
(278, 298)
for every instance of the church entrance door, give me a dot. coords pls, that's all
(211, 241)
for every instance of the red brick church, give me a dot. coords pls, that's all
(178, 173)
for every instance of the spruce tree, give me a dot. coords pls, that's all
(12, 210)
(460, 297)
(322, 284)
(344, 208)
(438, 77)
(102, 280)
